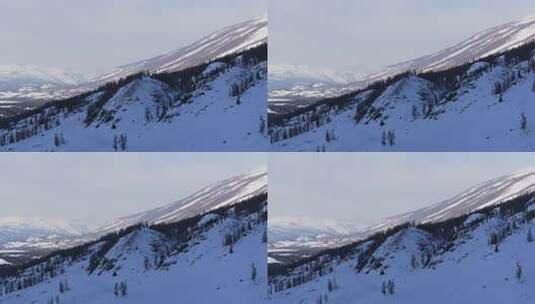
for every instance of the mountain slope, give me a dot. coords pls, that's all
(430, 111)
(201, 258)
(481, 196)
(229, 40)
(29, 87)
(22, 240)
(485, 43)
(483, 255)
(218, 106)
(488, 42)
(487, 194)
(220, 194)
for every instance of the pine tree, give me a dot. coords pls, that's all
(530, 236)
(518, 271)
(262, 125)
(414, 262)
(523, 121)
(115, 143)
(253, 272)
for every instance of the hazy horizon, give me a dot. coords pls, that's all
(366, 187)
(365, 36)
(95, 188)
(95, 36)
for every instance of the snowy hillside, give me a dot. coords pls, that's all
(219, 255)
(25, 88)
(480, 106)
(208, 96)
(229, 40)
(23, 239)
(220, 194)
(484, 256)
(485, 43)
(289, 241)
(488, 42)
(213, 106)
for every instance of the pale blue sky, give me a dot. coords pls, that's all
(368, 34)
(96, 187)
(366, 187)
(99, 34)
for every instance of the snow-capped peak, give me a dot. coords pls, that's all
(229, 40)
(14, 77)
(220, 194)
(48, 226)
(290, 228)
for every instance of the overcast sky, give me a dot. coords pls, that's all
(365, 187)
(99, 34)
(366, 35)
(97, 187)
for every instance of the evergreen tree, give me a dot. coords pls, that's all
(253, 272)
(523, 121)
(518, 271)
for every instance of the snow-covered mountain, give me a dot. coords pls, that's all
(212, 245)
(479, 242)
(287, 228)
(22, 239)
(430, 110)
(299, 238)
(285, 76)
(486, 194)
(229, 40)
(33, 226)
(291, 87)
(485, 43)
(220, 194)
(212, 255)
(22, 77)
(209, 96)
(28, 87)
(291, 238)
(25, 238)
